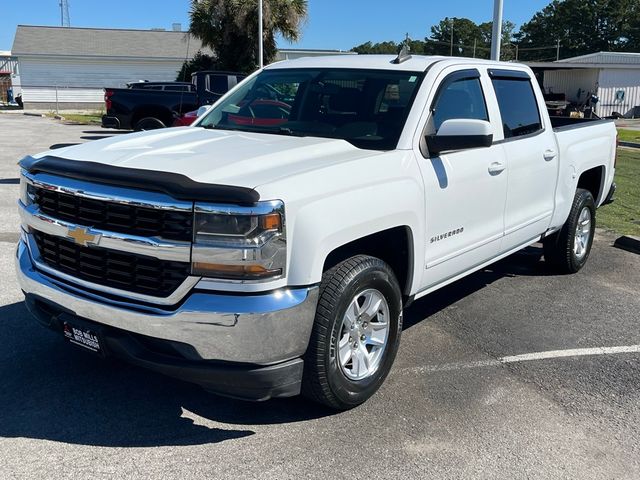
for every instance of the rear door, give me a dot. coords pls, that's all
(530, 150)
(465, 190)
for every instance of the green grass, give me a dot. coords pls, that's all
(91, 118)
(83, 119)
(623, 215)
(629, 135)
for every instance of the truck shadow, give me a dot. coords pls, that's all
(52, 391)
(527, 262)
(100, 134)
(106, 131)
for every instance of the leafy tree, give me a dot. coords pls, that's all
(465, 33)
(200, 61)
(415, 46)
(633, 31)
(582, 27)
(469, 39)
(369, 48)
(229, 28)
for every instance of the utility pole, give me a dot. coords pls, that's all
(558, 51)
(64, 13)
(452, 23)
(475, 43)
(260, 39)
(496, 35)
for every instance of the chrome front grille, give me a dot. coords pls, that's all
(140, 242)
(115, 217)
(101, 266)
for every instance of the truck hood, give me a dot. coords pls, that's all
(216, 156)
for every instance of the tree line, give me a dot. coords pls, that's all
(562, 29)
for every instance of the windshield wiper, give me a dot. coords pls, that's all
(288, 131)
(252, 129)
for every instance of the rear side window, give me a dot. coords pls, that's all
(461, 99)
(518, 106)
(218, 84)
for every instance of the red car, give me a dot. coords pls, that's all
(186, 119)
(262, 113)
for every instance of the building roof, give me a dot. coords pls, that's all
(104, 42)
(616, 58)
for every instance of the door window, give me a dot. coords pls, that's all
(460, 99)
(518, 106)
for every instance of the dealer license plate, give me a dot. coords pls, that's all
(82, 336)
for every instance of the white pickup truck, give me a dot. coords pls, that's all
(270, 248)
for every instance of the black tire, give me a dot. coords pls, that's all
(149, 123)
(559, 247)
(324, 380)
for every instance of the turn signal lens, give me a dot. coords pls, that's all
(271, 221)
(234, 271)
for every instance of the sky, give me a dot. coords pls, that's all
(331, 24)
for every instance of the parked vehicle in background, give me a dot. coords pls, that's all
(186, 119)
(270, 248)
(151, 105)
(261, 112)
(164, 86)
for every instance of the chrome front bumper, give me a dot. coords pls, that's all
(259, 329)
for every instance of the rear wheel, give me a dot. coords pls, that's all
(149, 123)
(356, 333)
(568, 249)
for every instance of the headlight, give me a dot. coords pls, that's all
(239, 243)
(27, 192)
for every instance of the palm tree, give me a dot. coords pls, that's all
(230, 28)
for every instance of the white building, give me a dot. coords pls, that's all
(613, 77)
(73, 65)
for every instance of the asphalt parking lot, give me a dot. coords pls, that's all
(464, 400)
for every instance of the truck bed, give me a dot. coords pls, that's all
(566, 123)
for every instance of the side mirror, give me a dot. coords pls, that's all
(460, 134)
(202, 110)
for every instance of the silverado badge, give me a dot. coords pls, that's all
(81, 236)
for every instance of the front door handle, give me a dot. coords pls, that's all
(496, 168)
(549, 155)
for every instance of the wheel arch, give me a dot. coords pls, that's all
(161, 113)
(593, 180)
(401, 260)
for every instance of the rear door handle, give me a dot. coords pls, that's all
(549, 155)
(496, 168)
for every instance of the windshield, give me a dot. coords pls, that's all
(367, 108)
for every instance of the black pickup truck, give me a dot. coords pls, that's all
(141, 107)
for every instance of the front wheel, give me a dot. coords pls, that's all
(356, 333)
(568, 249)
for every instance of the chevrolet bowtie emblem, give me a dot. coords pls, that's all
(81, 236)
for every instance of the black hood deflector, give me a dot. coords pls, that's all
(176, 185)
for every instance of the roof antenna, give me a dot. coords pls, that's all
(404, 52)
